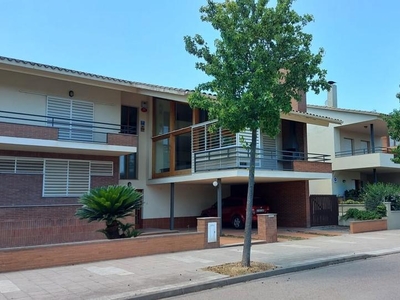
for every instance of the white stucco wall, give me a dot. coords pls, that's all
(320, 187)
(190, 199)
(320, 139)
(348, 117)
(28, 94)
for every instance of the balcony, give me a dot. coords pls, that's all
(364, 159)
(30, 132)
(220, 149)
(237, 157)
(363, 151)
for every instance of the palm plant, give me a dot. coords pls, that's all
(109, 204)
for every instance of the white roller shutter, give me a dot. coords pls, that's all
(55, 179)
(101, 168)
(269, 159)
(74, 118)
(21, 165)
(66, 178)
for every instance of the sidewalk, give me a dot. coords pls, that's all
(157, 276)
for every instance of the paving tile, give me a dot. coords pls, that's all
(7, 286)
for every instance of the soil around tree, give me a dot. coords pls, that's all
(236, 268)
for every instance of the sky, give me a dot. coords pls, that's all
(142, 40)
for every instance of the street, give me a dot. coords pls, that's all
(376, 278)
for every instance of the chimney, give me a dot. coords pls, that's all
(332, 95)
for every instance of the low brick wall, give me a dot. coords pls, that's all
(35, 257)
(312, 166)
(163, 223)
(39, 225)
(28, 131)
(368, 225)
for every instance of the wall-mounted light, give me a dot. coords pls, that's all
(215, 183)
(143, 106)
(71, 93)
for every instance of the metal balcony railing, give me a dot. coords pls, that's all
(236, 157)
(69, 129)
(363, 151)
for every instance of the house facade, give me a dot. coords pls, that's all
(359, 148)
(63, 132)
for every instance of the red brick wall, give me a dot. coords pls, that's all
(69, 254)
(27, 226)
(27, 218)
(28, 131)
(309, 166)
(41, 225)
(367, 226)
(290, 200)
(163, 223)
(122, 139)
(25, 189)
(300, 105)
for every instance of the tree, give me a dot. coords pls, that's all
(262, 60)
(393, 124)
(110, 204)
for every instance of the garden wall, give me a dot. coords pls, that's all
(393, 217)
(368, 225)
(24, 258)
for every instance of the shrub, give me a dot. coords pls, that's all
(363, 214)
(375, 194)
(110, 204)
(351, 194)
(381, 210)
(350, 201)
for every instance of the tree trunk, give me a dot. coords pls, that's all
(249, 206)
(113, 230)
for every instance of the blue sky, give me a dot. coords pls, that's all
(143, 41)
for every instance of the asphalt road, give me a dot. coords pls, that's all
(376, 278)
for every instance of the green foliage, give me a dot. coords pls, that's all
(375, 194)
(381, 210)
(351, 201)
(351, 194)
(393, 124)
(262, 60)
(361, 214)
(110, 204)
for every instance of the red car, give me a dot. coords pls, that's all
(234, 210)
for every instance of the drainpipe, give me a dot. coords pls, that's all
(171, 208)
(371, 130)
(219, 203)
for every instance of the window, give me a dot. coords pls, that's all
(162, 116)
(183, 151)
(21, 165)
(348, 146)
(129, 119)
(74, 118)
(101, 168)
(183, 116)
(127, 166)
(365, 148)
(64, 178)
(128, 163)
(162, 151)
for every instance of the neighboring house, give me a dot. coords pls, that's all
(63, 132)
(359, 147)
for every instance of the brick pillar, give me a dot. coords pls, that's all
(267, 228)
(210, 228)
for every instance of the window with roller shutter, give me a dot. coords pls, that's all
(74, 118)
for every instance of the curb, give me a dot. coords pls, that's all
(234, 280)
